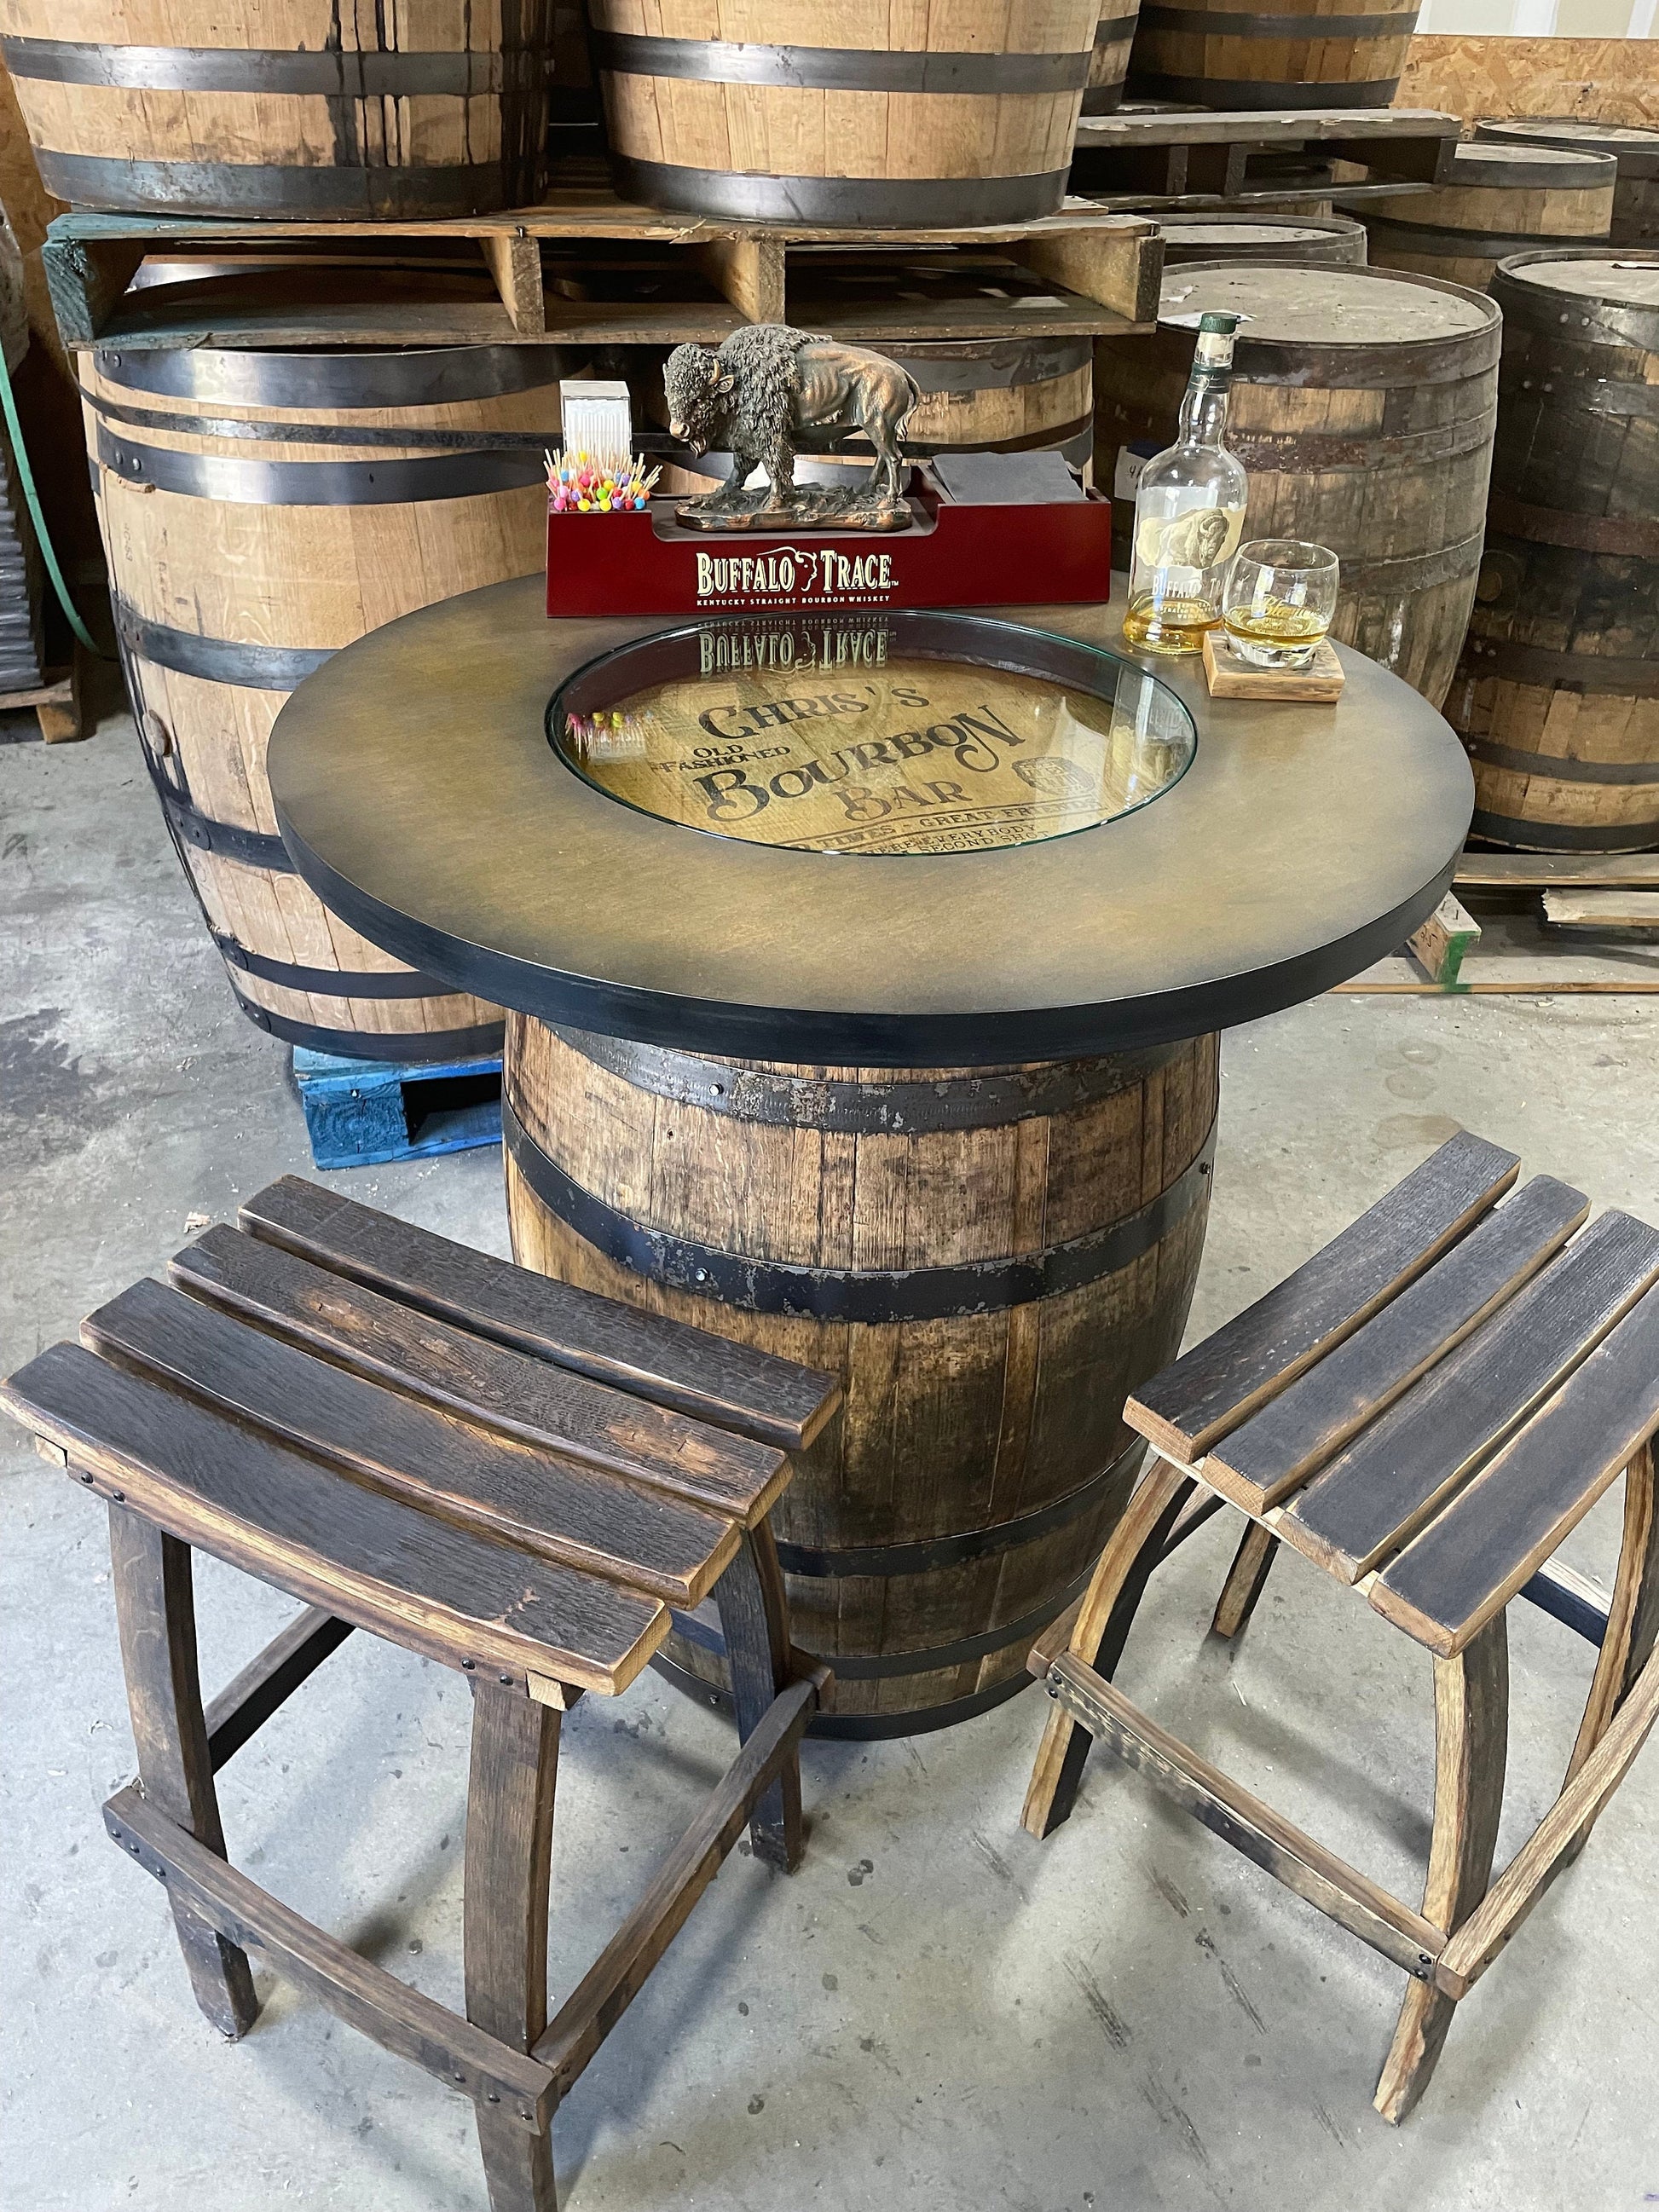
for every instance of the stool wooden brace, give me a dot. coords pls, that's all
(512, 1477)
(1426, 1409)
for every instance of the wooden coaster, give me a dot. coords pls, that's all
(1231, 678)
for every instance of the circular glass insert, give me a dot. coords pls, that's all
(886, 733)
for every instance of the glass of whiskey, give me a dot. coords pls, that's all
(1278, 601)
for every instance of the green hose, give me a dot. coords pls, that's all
(8, 402)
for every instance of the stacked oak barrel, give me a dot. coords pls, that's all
(1557, 694)
(262, 507)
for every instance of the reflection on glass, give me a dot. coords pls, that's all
(846, 738)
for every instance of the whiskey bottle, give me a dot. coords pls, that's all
(1189, 510)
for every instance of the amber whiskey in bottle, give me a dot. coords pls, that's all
(1189, 510)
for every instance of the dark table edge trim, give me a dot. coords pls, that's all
(845, 1035)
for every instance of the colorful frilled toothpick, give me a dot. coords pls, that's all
(583, 483)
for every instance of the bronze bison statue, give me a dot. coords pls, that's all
(770, 391)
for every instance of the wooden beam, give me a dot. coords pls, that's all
(1631, 913)
(622, 1969)
(85, 277)
(749, 272)
(1118, 264)
(1291, 1856)
(248, 1702)
(1537, 870)
(516, 263)
(1549, 1848)
(400, 2019)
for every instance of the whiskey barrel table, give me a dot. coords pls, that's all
(902, 1099)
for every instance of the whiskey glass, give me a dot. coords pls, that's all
(1278, 601)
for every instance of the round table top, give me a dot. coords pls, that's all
(418, 796)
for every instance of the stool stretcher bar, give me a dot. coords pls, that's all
(1287, 1852)
(414, 2027)
(418, 2027)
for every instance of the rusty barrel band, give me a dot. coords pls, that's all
(1553, 837)
(290, 433)
(1556, 768)
(1297, 28)
(925, 1555)
(317, 483)
(1595, 674)
(1313, 452)
(397, 1045)
(872, 1667)
(332, 72)
(877, 1109)
(1444, 243)
(878, 203)
(860, 1727)
(1636, 534)
(838, 69)
(1414, 572)
(875, 1296)
(254, 849)
(216, 659)
(1272, 94)
(992, 364)
(330, 982)
(1459, 358)
(417, 376)
(272, 188)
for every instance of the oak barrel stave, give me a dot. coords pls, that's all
(981, 1459)
(1317, 240)
(171, 106)
(975, 124)
(1109, 64)
(1557, 695)
(1226, 56)
(254, 520)
(1362, 411)
(1634, 147)
(1500, 200)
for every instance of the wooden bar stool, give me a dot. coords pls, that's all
(1426, 1409)
(515, 1478)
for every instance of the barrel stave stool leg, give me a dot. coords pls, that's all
(1101, 1629)
(1633, 1627)
(509, 1849)
(156, 1613)
(754, 1623)
(1471, 1730)
(1247, 1578)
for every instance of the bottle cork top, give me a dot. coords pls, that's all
(1223, 326)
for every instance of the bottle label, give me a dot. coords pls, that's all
(1214, 350)
(1198, 537)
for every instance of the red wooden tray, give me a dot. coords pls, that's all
(956, 555)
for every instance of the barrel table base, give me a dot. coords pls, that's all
(989, 1260)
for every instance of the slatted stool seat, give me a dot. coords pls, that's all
(1425, 1409)
(516, 1479)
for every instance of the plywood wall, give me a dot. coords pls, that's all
(1604, 80)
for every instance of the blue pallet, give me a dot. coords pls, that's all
(361, 1113)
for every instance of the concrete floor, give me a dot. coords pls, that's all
(936, 2012)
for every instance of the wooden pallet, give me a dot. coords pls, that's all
(361, 1113)
(1201, 158)
(1557, 944)
(1095, 273)
(58, 705)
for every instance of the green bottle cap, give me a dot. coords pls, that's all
(1222, 326)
